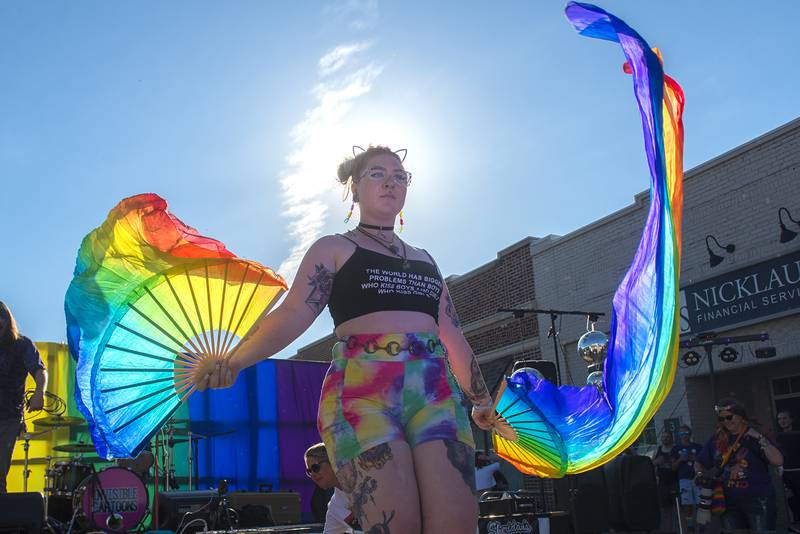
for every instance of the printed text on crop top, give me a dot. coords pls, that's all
(371, 282)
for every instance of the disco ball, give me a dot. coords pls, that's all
(592, 347)
(529, 371)
(595, 379)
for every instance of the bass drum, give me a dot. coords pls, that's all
(113, 500)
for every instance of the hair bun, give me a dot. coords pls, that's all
(345, 170)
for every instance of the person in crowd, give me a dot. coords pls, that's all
(684, 455)
(788, 439)
(487, 474)
(339, 518)
(18, 359)
(739, 456)
(667, 481)
(786, 422)
(389, 412)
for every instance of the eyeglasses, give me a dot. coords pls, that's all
(379, 174)
(314, 468)
(722, 418)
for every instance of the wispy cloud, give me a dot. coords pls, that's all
(338, 58)
(357, 14)
(344, 77)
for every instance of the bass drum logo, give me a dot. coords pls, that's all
(509, 526)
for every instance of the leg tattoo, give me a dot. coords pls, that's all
(376, 457)
(463, 459)
(347, 476)
(363, 495)
(381, 528)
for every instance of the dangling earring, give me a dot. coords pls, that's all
(401, 222)
(350, 213)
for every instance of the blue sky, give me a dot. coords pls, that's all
(238, 113)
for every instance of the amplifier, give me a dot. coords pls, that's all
(496, 503)
(21, 512)
(550, 523)
(173, 505)
(283, 506)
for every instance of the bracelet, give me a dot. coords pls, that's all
(482, 407)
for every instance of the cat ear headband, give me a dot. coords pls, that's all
(401, 154)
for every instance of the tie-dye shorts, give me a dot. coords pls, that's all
(385, 387)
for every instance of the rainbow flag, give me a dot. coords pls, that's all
(567, 430)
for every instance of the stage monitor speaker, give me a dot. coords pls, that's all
(633, 493)
(546, 367)
(21, 512)
(284, 507)
(589, 503)
(174, 505)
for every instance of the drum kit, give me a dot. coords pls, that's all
(115, 497)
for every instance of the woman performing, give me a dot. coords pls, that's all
(390, 413)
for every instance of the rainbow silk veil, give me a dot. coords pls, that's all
(567, 430)
(150, 301)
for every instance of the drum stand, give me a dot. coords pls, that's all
(26, 473)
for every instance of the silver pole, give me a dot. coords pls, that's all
(190, 459)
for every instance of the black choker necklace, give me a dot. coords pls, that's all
(380, 229)
(376, 227)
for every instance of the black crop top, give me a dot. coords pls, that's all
(370, 282)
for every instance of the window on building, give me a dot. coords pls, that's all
(786, 395)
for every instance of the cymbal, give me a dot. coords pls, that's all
(33, 461)
(74, 447)
(59, 420)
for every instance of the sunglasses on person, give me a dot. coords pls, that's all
(379, 174)
(722, 418)
(314, 468)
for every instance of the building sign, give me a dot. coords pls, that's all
(767, 288)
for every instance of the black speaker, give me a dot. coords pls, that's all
(21, 512)
(284, 507)
(589, 502)
(174, 505)
(632, 493)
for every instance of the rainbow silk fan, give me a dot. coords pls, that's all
(551, 431)
(150, 303)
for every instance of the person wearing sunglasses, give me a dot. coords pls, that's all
(338, 517)
(390, 412)
(742, 456)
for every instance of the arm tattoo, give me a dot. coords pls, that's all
(383, 527)
(463, 459)
(477, 387)
(321, 282)
(376, 457)
(450, 311)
